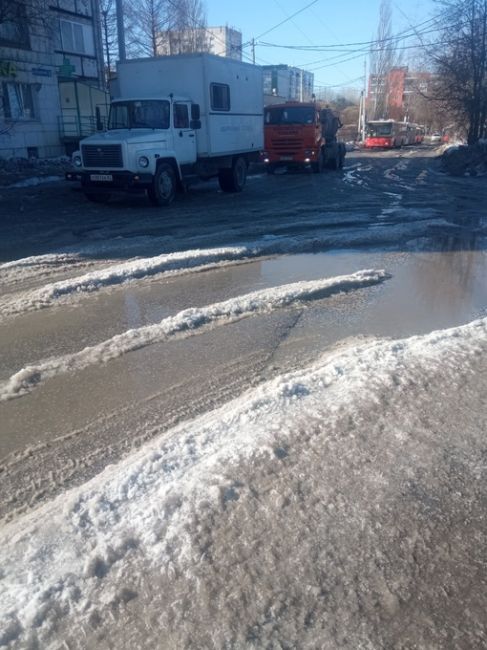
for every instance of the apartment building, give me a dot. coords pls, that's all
(51, 76)
(222, 41)
(398, 94)
(286, 83)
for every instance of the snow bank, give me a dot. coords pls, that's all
(70, 568)
(35, 180)
(113, 275)
(461, 160)
(187, 261)
(187, 321)
(50, 259)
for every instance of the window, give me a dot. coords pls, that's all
(18, 101)
(144, 114)
(72, 36)
(220, 97)
(76, 37)
(181, 116)
(14, 27)
(290, 115)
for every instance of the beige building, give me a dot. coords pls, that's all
(222, 41)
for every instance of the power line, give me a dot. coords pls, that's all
(283, 21)
(361, 54)
(344, 83)
(364, 44)
(295, 24)
(203, 27)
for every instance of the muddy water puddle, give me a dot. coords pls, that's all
(427, 291)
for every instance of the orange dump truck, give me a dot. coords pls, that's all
(301, 134)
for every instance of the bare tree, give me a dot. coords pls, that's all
(382, 60)
(18, 18)
(188, 31)
(157, 27)
(109, 34)
(145, 21)
(461, 66)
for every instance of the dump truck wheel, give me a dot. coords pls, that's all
(319, 165)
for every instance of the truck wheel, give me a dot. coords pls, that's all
(319, 165)
(163, 190)
(335, 161)
(97, 197)
(233, 180)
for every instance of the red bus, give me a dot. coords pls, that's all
(387, 134)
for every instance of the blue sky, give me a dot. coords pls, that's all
(326, 22)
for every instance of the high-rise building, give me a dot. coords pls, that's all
(286, 83)
(222, 41)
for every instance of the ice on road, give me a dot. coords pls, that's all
(326, 508)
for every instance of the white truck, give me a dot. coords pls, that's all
(175, 119)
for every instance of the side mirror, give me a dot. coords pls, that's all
(99, 123)
(195, 113)
(195, 124)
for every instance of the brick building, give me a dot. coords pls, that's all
(400, 91)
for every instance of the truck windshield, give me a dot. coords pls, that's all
(290, 115)
(377, 129)
(139, 114)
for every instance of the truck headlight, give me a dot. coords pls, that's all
(143, 161)
(77, 162)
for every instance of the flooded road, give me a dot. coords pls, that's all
(388, 211)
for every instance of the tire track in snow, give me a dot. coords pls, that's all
(58, 464)
(188, 321)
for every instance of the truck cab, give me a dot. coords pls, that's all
(301, 134)
(142, 134)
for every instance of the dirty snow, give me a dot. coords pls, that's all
(189, 320)
(34, 181)
(244, 527)
(116, 274)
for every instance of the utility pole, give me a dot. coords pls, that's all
(120, 31)
(253, 51)
(364, 100)
(360, 115)
(107, 45)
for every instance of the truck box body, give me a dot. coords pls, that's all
(229, 92)
(175, 120)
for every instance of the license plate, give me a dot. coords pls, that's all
(286, 157)
(101, 177)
